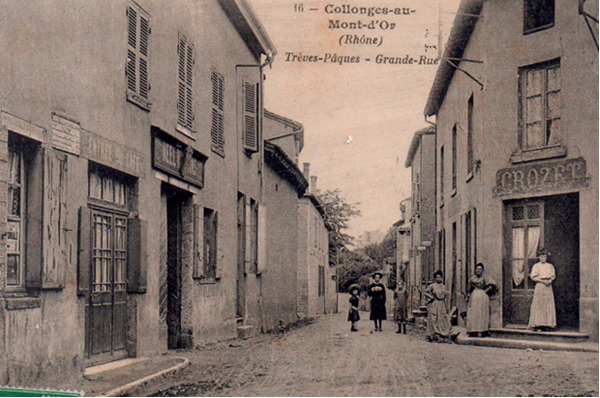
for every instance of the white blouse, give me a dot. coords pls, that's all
(541, 272)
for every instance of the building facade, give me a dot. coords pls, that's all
(122, 150)
(317, 287)
(421, 160)
(284, 185)
(517, 145)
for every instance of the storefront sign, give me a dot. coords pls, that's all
(109, 153)
(542, 177)
(66, 135)
(179, 160)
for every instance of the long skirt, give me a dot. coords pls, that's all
(438, 321)
(378, 310)
(478, 313)
(543, 310)
(353, 315)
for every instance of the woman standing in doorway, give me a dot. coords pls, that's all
(478, 313)
(377, 293)
(543, 311)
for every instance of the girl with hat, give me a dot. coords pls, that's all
(353, 315)
(377, 293)
(542, 315)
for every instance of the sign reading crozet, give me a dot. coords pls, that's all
(551, 176)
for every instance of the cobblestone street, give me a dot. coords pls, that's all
(325, 359)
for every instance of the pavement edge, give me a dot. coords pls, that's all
(120, 391)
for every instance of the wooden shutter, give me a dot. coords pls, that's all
(84, 258)
(54, 256)
(185, 97)
(198, 241)
(217, 263)
(250, 117)
(136, 255)
(262, 239)
(218, 128)
(248, 236)
(138, 52)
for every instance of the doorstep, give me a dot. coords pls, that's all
(119, 377)
(526, 343)
(527, 334)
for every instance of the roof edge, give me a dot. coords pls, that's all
(414, 144)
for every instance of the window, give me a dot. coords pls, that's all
(210, 243)
(185, 79)
(16, 210)
(107, 188)
(470, 160)
(527, 223)
(537, 15)
(468, 245)
(540, 105)
(442, 174)
(250, 124)
(321, 281)
(138, 51)
(454, 158)
(109, 252)
(217, 131)
(454, 262)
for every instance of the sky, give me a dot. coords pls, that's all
(379, 106)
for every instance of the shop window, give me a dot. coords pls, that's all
(540, 106)
(138, 52)
(16, 210)
(217, 131)
(185, 80)
(538, 15)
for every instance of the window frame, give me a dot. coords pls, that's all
(454, 159)
(549, 25)
(21, 220)
(470, 128)
(210, 243)
(522, 100)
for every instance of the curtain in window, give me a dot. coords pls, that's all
(533, 241)
(518, 252)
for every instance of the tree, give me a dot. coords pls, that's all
(383, 253)
(354, 265)
(338, 212)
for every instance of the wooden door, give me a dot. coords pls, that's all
(174, 271)
(106, 326)
(523, 236)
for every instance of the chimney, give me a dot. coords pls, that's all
(306, 170)
(313, 184)
(403, 211)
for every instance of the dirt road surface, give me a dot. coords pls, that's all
(325, 359)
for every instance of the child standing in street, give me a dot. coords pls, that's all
(401, 310)
(353, 315)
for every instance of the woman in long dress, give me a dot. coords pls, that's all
(543, 311)
(438, 321)
(377, 293)
(478, 313)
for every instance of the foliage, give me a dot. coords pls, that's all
(338, 212)
(354, 265)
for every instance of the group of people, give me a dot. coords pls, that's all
(480, 288)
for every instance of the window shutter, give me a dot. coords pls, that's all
(137, 255)
(138, 52)
(262, 239)
(54, 220)
(84, 259)
(218, 129)
(198, 242)
(250, 120)
(185, 98)
(248, 228)
(217, 263)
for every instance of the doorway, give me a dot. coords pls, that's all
(553, 223)
(241, 266)
(173, 203)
